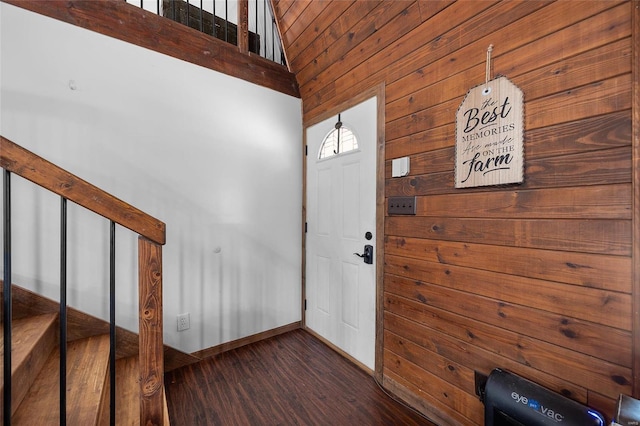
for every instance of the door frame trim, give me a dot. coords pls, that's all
(635, 159)
(379, 92)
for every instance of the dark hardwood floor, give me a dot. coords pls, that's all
(291, 379)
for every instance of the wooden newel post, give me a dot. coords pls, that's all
(151, 345)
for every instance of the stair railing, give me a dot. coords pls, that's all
(151, 236)
(253, 28)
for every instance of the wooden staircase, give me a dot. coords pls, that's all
(151, 232)
(36, 362)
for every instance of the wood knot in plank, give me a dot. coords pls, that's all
(151, 385)
(620, 380)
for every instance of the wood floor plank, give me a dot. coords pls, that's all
(288, 379)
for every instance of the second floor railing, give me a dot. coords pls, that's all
(248, 24)
(14, 159)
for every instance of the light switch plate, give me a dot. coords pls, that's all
(402, 205)
(400, 167)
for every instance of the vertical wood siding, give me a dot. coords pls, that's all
(537, 277)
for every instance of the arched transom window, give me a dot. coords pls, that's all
(339, 140)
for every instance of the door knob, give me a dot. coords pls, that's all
(367, 256)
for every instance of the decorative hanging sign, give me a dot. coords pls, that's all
(490, 134)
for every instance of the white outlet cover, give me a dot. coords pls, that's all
(184, 321)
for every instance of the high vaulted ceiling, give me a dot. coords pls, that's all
(326, 39)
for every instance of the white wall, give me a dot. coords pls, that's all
(216, 158)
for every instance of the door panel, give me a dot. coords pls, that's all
(322, 289)
(351, 201)
(341, 209)
(350, 286)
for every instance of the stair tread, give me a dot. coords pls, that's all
(33, 339)
(128, 390)
(25, 334)
(127, 393)
(87, 362)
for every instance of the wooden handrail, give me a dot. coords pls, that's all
(151, 231)
(22, 162)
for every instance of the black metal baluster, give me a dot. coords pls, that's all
(256, 43)
(273, 38)
(226, 20)
(63, 311)
(7, 309)
(275, 34)
(174, 10)
(112, 323)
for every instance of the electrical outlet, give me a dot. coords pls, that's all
(184, 322)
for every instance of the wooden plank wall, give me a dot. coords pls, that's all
(537, 277)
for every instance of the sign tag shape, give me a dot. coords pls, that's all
(490, 135)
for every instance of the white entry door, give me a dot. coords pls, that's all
(341, 221)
